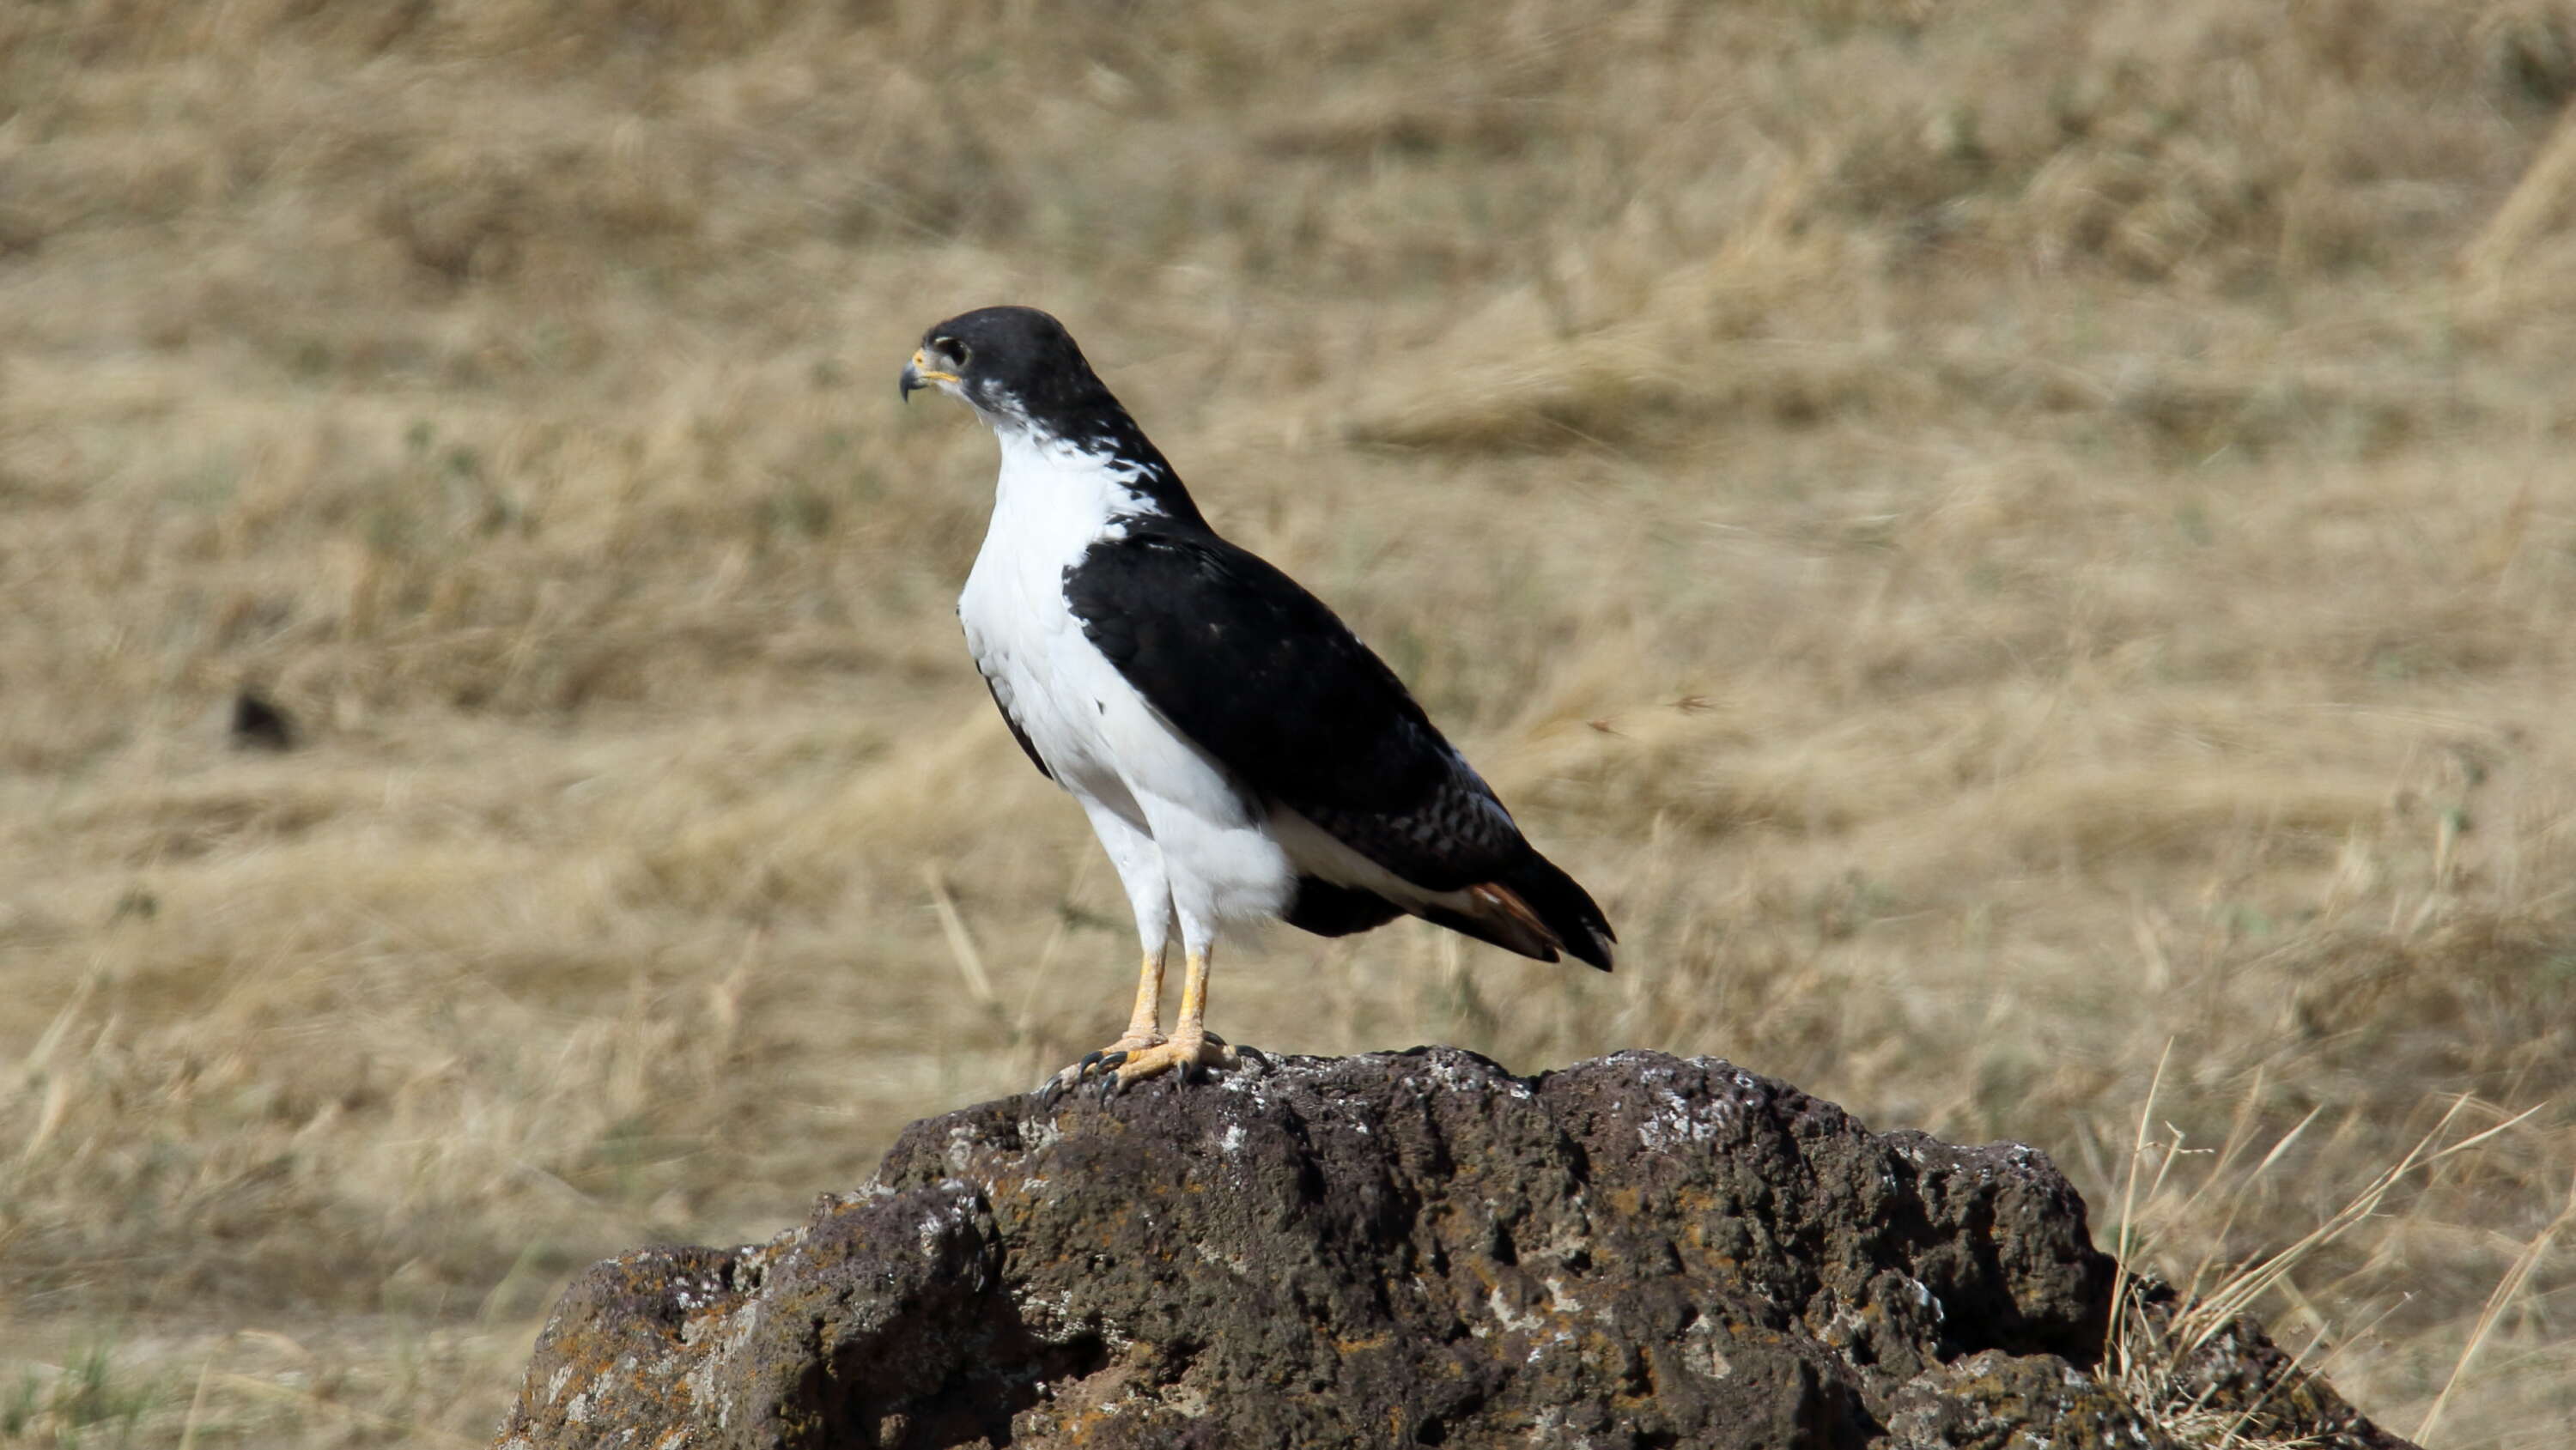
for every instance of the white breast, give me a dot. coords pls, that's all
(1097, 735)
(1052, 503)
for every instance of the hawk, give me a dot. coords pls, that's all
(1240, 754)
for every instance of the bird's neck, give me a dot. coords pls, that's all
(1104, 472)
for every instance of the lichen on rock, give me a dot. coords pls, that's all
(1402, 1248)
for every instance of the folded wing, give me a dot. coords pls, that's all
(1267, 680)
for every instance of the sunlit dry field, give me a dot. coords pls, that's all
(2009, 542)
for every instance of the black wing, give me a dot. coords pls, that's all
(1266, 679)
(1017, 733)
(1262, 676)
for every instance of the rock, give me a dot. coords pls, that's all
(259, 723)
(1400, 1249)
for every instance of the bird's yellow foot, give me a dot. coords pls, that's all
(1191, 1055)
(1100, 1063)
(1132, 1059)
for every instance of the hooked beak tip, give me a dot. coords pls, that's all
(916, 377)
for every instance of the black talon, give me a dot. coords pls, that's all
(1083, 1068)
(1105, 1061)
(1254, 1056)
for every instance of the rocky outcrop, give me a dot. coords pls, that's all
(1401, 1249)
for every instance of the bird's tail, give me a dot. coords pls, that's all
(1534, 909)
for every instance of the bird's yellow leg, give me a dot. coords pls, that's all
(1145, 1024)
(1190, 1047)
(1144, 1030)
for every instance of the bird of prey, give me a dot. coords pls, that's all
(1240, 754)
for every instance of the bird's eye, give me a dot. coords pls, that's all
(958, 352)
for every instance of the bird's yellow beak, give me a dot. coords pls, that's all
(918, 374)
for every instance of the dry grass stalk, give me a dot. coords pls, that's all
(2536, 201)
(2513, 1286)
(2153, 1343)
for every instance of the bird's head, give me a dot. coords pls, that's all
(1011, 364)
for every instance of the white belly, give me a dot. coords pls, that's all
(1059, 690)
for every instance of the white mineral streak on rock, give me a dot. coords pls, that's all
(1704, 1355)
(1447, 1071)
(1511, 1320)
(1678, 1121)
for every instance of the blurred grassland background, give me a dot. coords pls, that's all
(1998, 537)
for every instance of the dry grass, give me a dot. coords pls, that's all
(2175, 1351)
(2000, 537)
